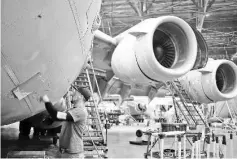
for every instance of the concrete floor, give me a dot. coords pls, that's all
(118, 143)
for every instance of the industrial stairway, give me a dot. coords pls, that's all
(188, 108)
(233, 113)
(94, 139)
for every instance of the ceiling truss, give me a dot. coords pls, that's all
(216, 19)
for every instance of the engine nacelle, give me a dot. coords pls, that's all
(137, 108)
(216, 82)
(157, 49)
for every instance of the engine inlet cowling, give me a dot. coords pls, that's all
(164, 49)
(157, 49)
(216, 82)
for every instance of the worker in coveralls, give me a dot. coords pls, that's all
(74, 124)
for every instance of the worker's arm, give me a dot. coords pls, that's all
(56, 115)
(71, 115)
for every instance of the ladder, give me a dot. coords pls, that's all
(232, 112)
(188, 108)
(95, 145)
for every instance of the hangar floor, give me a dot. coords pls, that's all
(118, 143)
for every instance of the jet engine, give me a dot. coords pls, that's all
(141, 108)
(153, 111)
(215, 82)
(157, 49)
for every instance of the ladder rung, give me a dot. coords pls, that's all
(95, 131)
(89, 105)
(98, 133)
(86, 148)
(188, 110)
(94, 138)
(81, 82)
(90, 146)
(97, 143)
(81, 85)
(82, 75)
(98, 72)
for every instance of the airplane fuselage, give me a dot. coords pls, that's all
(45, 45)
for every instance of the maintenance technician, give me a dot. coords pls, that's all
(74, 124)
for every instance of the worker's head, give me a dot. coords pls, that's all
(77, 99)
(80, 96)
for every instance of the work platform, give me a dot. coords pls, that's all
(191, 144)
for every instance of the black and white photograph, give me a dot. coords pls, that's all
(119, 79)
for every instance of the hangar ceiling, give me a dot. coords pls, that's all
(217, 19)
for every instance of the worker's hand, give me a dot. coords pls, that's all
(44, 99)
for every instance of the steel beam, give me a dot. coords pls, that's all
(201, 16)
